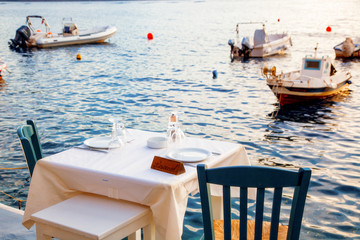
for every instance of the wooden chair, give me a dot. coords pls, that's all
(245, 177)
(88, 216)
(30, 144)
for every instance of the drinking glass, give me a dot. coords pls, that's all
(174, 134)
(118, 134)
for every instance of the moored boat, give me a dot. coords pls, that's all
(317, 79)
(348, 49)
(262, 44)
(27, 36)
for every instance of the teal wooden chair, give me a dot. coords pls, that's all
(30, 144)
(261, 178)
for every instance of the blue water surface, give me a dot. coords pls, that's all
(143, 81)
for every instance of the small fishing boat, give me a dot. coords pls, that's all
(262, 44)
(3, 67)
(27, 36)
(317, 79)
(348, 49)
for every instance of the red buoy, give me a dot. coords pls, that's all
(278, 19)
(328, 29)
(150, 36)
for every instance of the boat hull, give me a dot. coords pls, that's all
(58, 41)
(289, 95)
(340, 54)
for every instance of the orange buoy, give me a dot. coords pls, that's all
(328, 29)
(78, 56)
(150, 36)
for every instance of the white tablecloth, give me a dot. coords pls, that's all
(126, 174)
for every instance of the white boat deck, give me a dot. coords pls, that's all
(11, 227)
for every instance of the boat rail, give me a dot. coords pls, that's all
(43, 21)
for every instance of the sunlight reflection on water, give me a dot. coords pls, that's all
(143, 81)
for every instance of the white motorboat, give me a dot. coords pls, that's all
(317, 79)
(28, 36)
(348, 49)
(262, 44)
(3, 67)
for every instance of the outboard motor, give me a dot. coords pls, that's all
(22, 35)
(231, 44)
(246, 47)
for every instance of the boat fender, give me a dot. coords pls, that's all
(265, 70)
(215, 74)
(273, 71)
(348, 82)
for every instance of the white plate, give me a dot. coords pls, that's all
(98, 142)
(189, 154)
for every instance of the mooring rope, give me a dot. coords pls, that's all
(19, 200)
(16, 199)
(13, 168)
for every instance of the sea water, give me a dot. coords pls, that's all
(144, 81)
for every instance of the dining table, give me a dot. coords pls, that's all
(125, 173)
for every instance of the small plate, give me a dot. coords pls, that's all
(189, 154)
(98, 142)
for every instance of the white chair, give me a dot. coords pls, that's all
(89, 216)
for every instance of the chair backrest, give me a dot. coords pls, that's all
(261, 178)
(30, 144)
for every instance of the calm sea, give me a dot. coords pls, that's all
(143, 81)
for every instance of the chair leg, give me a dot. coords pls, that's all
(149, 231)
(135, 236)
(40, 235)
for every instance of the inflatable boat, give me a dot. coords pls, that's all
(27, 36)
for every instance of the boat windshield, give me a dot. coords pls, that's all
(312, 64)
